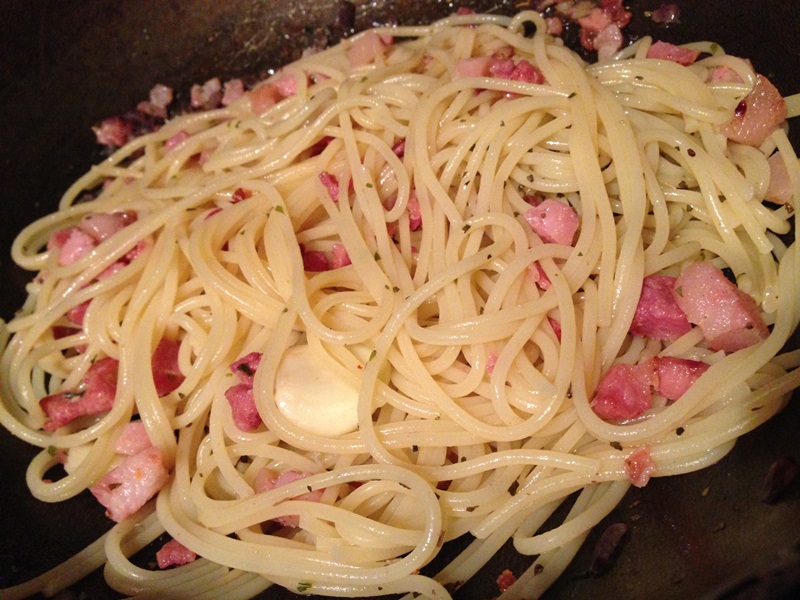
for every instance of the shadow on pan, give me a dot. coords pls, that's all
(64, 66)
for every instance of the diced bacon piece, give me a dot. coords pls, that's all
(414, 213)
(525, 71)
(639, 466)
(173, 553)
(608, 41)
(245, 367)
(625, 392)
(240, 194)
(161, 95)
(505, 580)
(111, 269)
(491, 361)
(400, 148)
(207, 96)
(339, 256)
(263, 97)
(556, 325)
(539, 277)
(72, 244)
(757, 116)
(676, 375)
(611, 12)
(678, 54)
(553, 221)
(616, 12)
(658, 315)
(780, 189)
(133, 439)
(96, 397)
(477, 66)
(128, 487)
(331, 184)
(113, 132)
(463, 10)
(101, 226)
(267, 479)
(555, 26)
(160, 98)
(62, 331)
(286, 85)
(501, 67)
(724, 75)
(315, 261)
(176, 140)
(77, 313)
(666, 14)
(366, 49)
(243, 407)
(727, 316)
(232, 90)
(167, 375)
(135, 251)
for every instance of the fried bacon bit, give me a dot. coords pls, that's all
(173, 553)
(128, 487)
(114, 132)
(95, 397)
(780, 477)
(207, 96)
(728, 317)
(505, 580)
(553, 221)
(625, 392)
(658, 315)
(331, 184)
(678, 54)
(315, 261)
(639, 466)
(167, 375)
(607, 548)
(367, 48)
(666, 14)
(780, 189)
(267, 479)
(240, 396)
(156, 106)
(757, 116)
(133, 439)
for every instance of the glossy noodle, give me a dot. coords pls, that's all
(432, 375)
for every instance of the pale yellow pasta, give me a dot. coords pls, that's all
(473, 382)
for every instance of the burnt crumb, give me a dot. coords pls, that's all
(780, 477)
(512, 489)
(607, 548)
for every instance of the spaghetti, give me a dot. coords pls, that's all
(377, 219)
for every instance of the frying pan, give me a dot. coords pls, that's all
(65, 65)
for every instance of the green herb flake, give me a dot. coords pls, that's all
(395, 289)
(303, 586)
(369, 185)
(279, 209)
(572, 95)
(51, 450)
(466, 228)
(376, 256)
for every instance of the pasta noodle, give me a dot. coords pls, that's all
(472, 379)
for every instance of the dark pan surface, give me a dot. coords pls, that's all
(65, 65)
